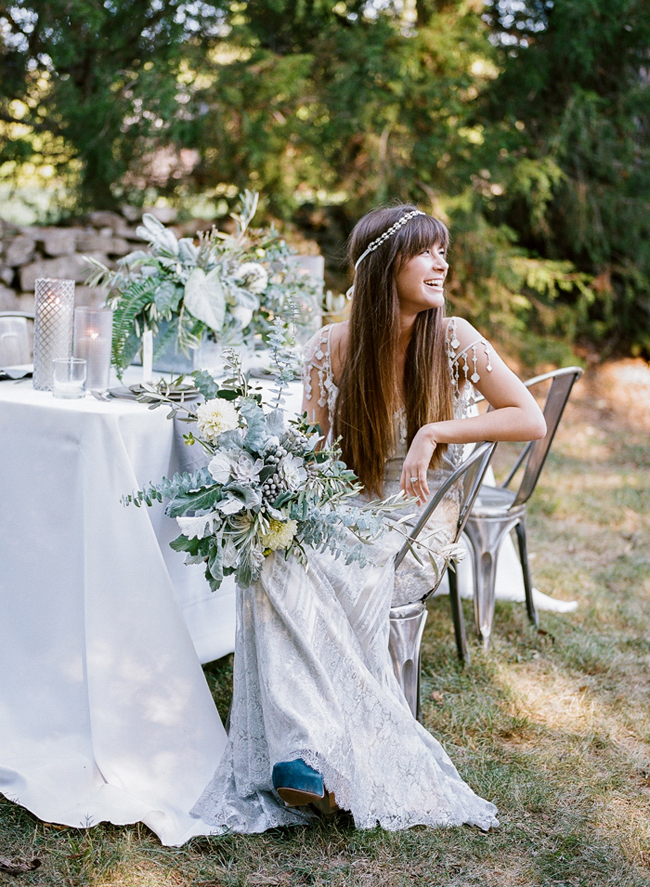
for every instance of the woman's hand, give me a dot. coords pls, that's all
(414, 471)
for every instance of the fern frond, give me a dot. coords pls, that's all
(131, 303)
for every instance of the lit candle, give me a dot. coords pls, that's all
(92, 342)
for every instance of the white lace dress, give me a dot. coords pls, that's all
(313, 680)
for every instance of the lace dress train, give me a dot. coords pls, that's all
(313, 680)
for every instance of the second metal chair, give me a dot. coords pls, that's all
(14, 338)
(407, 621)
(497, 510)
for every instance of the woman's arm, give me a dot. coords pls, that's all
(515, 415)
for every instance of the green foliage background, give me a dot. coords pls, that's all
(524, 123)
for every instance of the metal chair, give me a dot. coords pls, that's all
(15, 347)
(498, 510)
(407, 621)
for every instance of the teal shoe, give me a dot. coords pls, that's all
(297, 783)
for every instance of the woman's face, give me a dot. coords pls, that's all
(420, 280)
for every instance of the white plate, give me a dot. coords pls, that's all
(19, 371)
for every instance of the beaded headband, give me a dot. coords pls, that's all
(388, 233)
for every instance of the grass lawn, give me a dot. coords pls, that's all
(553, 727)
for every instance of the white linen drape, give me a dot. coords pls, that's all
(104, 710)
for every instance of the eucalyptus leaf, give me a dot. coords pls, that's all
(257, 434)
(275, 423)
(232, 440)
(206, 384)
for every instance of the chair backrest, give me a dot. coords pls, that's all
(14, 338)
(535, 453)
(468, 478)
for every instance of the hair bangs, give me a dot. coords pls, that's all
(420, 234)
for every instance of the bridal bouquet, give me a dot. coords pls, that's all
(227, 286)
(266, 486)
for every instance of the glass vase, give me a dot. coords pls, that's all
(93, 330)
(52, 327)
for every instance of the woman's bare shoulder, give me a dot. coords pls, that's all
(339, 333)
(462, 329)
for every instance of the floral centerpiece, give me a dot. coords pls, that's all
(227, 286)
(266, 487)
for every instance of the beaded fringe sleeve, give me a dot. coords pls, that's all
(463, 369)
(317, 356)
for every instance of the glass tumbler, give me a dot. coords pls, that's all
(69, 377)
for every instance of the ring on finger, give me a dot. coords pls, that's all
(414, 479)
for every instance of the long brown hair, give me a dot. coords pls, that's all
(368, 388)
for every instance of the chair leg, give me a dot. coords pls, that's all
(457, 616)
(520, 529)
(484, 578)
(485, 535)
(405, 639)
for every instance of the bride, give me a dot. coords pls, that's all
(317, 714)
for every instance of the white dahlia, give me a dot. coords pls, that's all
(280, 534)
(253, 276)
(216, 416)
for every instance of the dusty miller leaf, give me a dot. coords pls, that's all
(204, 298)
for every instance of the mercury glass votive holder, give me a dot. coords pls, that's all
(52, 327)
(93, 330)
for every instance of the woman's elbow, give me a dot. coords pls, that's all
(537, 427)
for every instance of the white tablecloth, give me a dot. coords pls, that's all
(104, 710)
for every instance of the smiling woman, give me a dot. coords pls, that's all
(394, 357)
(317, 714)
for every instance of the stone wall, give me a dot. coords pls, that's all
(38, 251)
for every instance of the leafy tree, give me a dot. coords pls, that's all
(573, 111)
(331, 107)
(97, 81)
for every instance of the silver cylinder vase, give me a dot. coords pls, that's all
(53, 320)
